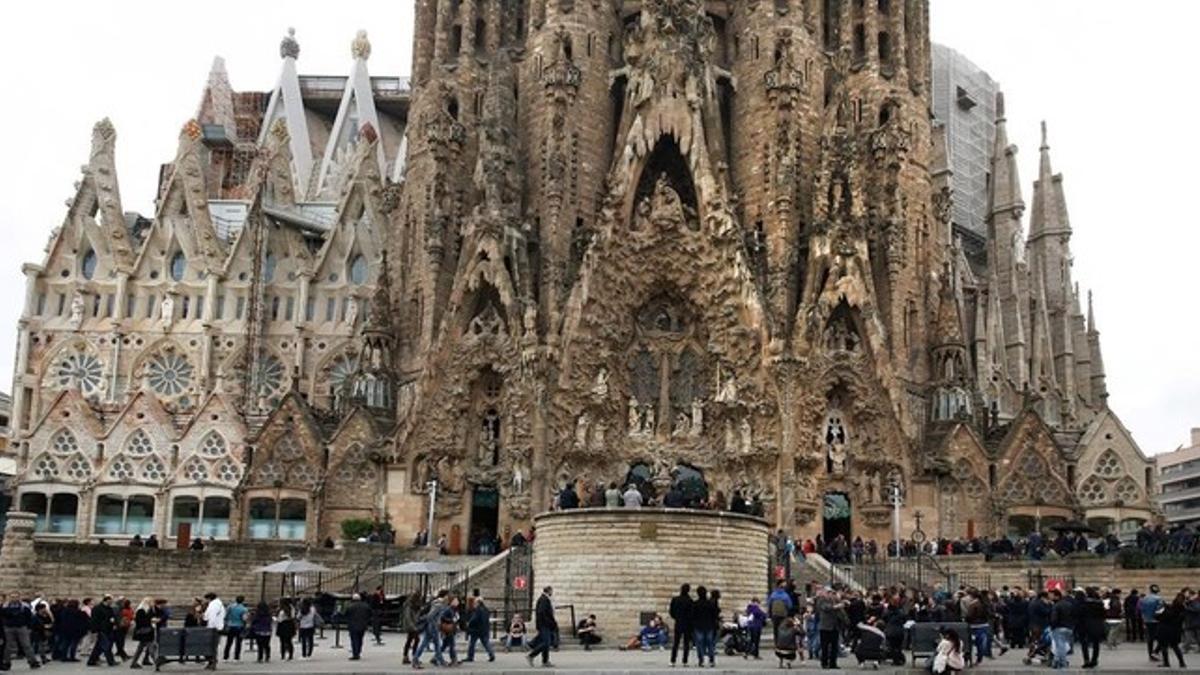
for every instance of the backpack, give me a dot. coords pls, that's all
(778, 608)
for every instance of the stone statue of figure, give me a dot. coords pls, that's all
(351, 310)
(730, 444)
(646, 419)
(875, 487)
(581, 429)
(697, 417)
(682, 424)
(490, 438)
(727, 391)
(167, 313)
(600, 386)
(747, 434)
(518, 478)
(77, 309)
(837, 459)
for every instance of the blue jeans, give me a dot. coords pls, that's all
(431, 640)
(706, 643)
(484, 639)
(448, 645)
(1060, 642)
(659, 640)
(981, 636)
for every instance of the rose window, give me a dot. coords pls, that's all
(340, 372)
(270, 376)
(169, 374)
(213, 445)
(1092, 491)
(228, 472)
(64, 443)
(121, 469)
(80, 371)
(79, 468)
(153, 470)
(139, 444)
(1109, 465)
(46, 468)
(1128, 491)
(196, 471)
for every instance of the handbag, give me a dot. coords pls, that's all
(446, 626)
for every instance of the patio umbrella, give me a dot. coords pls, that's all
(425, 569)
(289, 568)
(1074, 526)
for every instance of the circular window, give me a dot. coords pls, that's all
(80, 370)
(358, 270)
(178, 266)
(169, 374)
(88, 266)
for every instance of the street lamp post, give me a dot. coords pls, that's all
(433, 487)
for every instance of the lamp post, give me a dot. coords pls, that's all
(896, 517)
(433, 487)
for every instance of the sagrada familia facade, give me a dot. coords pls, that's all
(668, 242)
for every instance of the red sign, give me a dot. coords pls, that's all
(780, 572)
(1055, 584)
(520, 583)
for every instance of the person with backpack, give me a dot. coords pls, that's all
(681, 613)
(779, 605)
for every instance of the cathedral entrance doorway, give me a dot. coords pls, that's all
(836, 516)
(485, 519)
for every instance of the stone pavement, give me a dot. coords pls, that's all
(386, 659)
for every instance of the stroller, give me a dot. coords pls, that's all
(735, 639)
(1040, 651)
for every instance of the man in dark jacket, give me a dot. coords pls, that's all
(18, 619)
(1062, 627)
(104, 622)
(1134, 628)
(358, 620)
(547, 626)
(681, 614)
(479, 628)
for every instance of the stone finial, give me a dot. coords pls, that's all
(1045, 144)
(360, 48)
(288, 47)
(193, 130)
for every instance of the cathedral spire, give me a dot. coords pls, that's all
(287, 104)
(1006, 199)
(1049, 206)
(1099, 380)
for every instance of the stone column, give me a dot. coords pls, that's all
(786, 370)
(19, 558)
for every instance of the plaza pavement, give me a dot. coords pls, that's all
(386, 659)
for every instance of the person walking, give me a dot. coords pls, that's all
(705, 623)
(1093, 627)
(410, 620)
(285, 630)
(41, 633)
(1148, 608)
(431, 637)
(479, 628)
(378, 602)
(780, 605)
(546, 626)
(260, 628)
(680, 611)
(358, 620)
(1191, 620)
(143, 633)
(104, 622)
(235, 627)
(1062, 627)
(123, 609)
(1170, 630)
(308, 623)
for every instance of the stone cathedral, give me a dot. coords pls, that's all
(702, 244)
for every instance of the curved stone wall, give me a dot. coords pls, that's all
(617, 563)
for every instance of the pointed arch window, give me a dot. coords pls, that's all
(178, 266)
(269, 264)
(358, 270)
(87, 267)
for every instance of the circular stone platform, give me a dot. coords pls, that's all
(617, 563)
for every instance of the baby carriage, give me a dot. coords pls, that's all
(735, 639)
(1040, 651)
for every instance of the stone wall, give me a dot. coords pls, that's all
(616, 563)
(1084, 571)
(70, 569)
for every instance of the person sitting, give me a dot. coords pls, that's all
(587, 632)
(516, 633)
(654, 633)
(788, 642)
(632, 497)
(870, 643)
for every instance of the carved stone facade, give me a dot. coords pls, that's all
(670, 242)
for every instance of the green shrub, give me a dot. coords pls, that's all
(354, 529)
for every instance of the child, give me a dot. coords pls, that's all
(516, 633)
(812, 632)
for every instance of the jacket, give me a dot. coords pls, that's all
(103, 619)
(17, 615)
(1149, 606)
(1039, 615)
(1062, 614)
(1170, 624)
(681, 610)
(779, 603)
(544, 615)
(358, 616)
(1092, 619)
(829, 613)
(706, 616)
(410, 616)
(480, 620)
(756, 615)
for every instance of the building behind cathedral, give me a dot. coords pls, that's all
(711, 246)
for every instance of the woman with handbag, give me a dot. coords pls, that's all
(448, 626)
(143, 632)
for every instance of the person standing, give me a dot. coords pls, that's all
(104, 622)
(378, 604)
(214, 612)
(612, 497)
(780, 605)
(479, 627)
(681, 613)
(358, 620)
(410, 623)
(632, 497)
(705, 624)
(308, 623)
(235, 627)
(1148, 608)
(285, 630)
(1170, 630)
(1062, 627)
(1191, 619)
(546, 626)
(17, 619)
(756, 619)
(829, 610)
(1092, 627)
(143, 632)
(1133, 617)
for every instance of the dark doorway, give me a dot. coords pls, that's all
(485, 520)
(836, 517)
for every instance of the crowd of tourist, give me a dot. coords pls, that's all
(583, 494)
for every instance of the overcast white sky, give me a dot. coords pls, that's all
(1114, 80)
